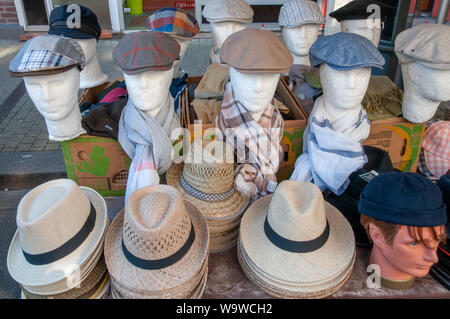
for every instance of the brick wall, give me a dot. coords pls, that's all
(8, 12)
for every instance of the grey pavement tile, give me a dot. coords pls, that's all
(52, 147)
(29, 139)
(8, 149)
(23, 147)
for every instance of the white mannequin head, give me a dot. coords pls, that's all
(222, 30)
(92, 74)
(299, 40)
(56, 98)
(149, 90)
(424, 89)
(368, 28)
(343, 91)
(183, 42)
(254, 91)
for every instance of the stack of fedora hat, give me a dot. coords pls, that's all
(57, 249)
(206, 179)
(157, 247)
(293, 244)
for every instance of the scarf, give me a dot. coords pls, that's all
(147, 142)
(256, 144)
(302, 89)
(331, 152)
(383, 99)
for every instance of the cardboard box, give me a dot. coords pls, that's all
(96, 162)
(400, 138)
(292, 141)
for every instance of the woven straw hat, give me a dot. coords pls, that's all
(59, 237)
(294, 244)
(157, 243)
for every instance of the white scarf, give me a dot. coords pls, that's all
(332, 151)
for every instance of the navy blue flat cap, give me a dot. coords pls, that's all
(345, 51)
(89, 28)
(358, 9)
(403, 199)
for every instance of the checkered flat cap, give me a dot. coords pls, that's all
(144, 51)
(428, 44)
(298, 12)
(173, 21)
(436, 147)
(228, 10)
(47, 54)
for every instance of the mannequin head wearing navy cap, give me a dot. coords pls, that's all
(404, 216)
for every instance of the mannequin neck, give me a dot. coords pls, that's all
(70, 126)
(176, 69)
(301, 59)
(388, 270)
(336, 113)
(92, 74)
(415, 107)
(256, 115)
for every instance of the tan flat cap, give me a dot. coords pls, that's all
(256, 51)
(228, 10)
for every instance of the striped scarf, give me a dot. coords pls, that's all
(256, 144)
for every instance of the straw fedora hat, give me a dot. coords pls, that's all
(207, 180)
(60, 226)
(157, 243)
(296, 242)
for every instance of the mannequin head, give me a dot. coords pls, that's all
(92, 74)
(222, 30)
(424, 89)
(299, 40)
(402, 252)
(149, 90)
(184, 43)
(254, 91)
(368, 28)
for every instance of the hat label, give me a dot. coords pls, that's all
(369, 176)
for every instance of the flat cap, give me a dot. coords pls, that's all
(345, 51)
(359, 10)
(428, 44)
(47, 54)
(89, 26)
(403, 199)
(144, 51)
(173, 21)
(256, 51)
(298, 12)
(228, 10)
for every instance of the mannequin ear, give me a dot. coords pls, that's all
(376, 235)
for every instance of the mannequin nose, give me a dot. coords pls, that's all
(351, 82)
(431, 255)
(46, 92)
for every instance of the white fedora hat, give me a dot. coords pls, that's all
(60, 225)
(295, 242)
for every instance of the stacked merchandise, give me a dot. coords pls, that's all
(209, 185)
(57, 251)
(157, 247)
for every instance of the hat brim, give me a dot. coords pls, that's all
(304, 271)
(137, 279)
(346, 68)
(46, 275)
(436, 172)
(226, 210)
(42, 72)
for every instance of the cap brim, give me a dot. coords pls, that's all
(42, 72)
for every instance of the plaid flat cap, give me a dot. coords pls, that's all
(298, 12)
(428, 44)
(358, 10)
(345, 51)
(173, 21)
(256, 51)
(436, 148)
(228, 10)
(89, 26)
(47, 54)
(143, 51)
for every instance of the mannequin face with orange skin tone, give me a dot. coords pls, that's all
(405, 257)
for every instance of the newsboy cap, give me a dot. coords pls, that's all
(256, 51)
(403, 199)
(345, 51)
(428, 44)
(89, 26)
(47, 54)
(173, 21)
(228, 10)
(359, 10)
(143, 51)
(298, 12)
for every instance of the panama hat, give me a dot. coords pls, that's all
(157, 244)
(59, 237)
(294, 244)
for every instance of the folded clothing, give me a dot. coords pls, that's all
(212, 84)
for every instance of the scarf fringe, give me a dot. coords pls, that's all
(374, 103)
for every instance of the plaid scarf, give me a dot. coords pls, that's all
(256, 144)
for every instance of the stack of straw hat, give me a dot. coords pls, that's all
(206, 179)
(57, 249)
(157, 247)
(293, 244)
